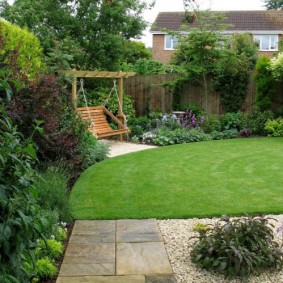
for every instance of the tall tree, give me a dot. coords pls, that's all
(274, 4)
(98, 27)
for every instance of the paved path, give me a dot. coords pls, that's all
(116, 251)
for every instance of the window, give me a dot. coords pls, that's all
(170, 42)
(267, 42)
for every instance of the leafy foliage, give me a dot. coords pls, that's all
(237, 247)
(256, 120)
(53, 192)
(232, 121)
(25, 44)
(276, 65)
(199, 51)
(64, 134)
(274, 128)
(274, 4)
(101, 28)
(20, 219)
(264, 84)
(233, 71)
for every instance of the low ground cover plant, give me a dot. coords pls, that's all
(237, 247)
(194, 125)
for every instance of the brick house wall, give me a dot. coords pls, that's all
(160, 54)
(158, 51)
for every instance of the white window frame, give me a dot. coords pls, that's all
(173, 42)
(259, 38)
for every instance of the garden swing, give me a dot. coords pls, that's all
(96, 115)
(99, 126)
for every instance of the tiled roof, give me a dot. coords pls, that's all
(267, 20)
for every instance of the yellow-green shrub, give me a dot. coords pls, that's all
(30, 55)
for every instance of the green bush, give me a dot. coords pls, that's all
(232, 121)
(195, 108)
(45, 268)
(211, 123)
(51, 249)
(257, 119)
(93, 152)
(164, 136)
(53, 192)
(237, 247)
(265, 87)
(26, 44)
(226, 134)
(274, 128)
(20, 216)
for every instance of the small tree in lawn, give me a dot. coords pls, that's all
(199, 51)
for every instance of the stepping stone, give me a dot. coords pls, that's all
(98, 231)
(78, 269)
(142, 258)
(160, 278)
(136, 231)
(103, 279)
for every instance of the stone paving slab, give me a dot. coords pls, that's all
(120, 251)
(79, 269)
(104, 279)
(96, 253)
(142, 258)
(136, 231)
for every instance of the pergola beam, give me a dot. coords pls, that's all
(99, 74)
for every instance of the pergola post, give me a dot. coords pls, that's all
(120, 113)
(74, 92)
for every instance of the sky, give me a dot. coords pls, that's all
(215, 5)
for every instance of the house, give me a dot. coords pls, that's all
(266, 27)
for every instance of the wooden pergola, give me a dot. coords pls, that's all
(97, 74)
(120, 76)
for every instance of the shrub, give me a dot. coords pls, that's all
(231, 81)
(138, 125)
(245, 132)
(20, 218)
(45, 268)
(265, 87)
(51, 249)
(65, 135)
(53, 192)
(226, 134)
(232, 121)
(237, 247)
(211, 123)
(26, 44)
(164, 136)
(257, 119)
(195, 108)
(274, 128)
(190, 120)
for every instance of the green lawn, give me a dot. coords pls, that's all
(189, 180)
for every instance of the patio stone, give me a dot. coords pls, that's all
(135, 231)
(90, 254)
(160, 278)
(100, 230)
(142, 258)
(103, 279)
(78, 269)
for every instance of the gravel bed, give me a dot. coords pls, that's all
(176, 234)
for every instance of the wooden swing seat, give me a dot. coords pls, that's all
(99, 126)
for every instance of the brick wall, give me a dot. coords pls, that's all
(161, 55)
(158, 52)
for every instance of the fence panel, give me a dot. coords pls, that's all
(150, 94)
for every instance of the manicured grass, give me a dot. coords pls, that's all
(191, 180)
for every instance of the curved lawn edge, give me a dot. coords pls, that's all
(205, 179)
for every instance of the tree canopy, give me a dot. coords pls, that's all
(274, 4)
(93, 31)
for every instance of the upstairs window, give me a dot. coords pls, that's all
(267, 42)
(170, 42)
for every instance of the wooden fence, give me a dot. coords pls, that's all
(150, 94)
